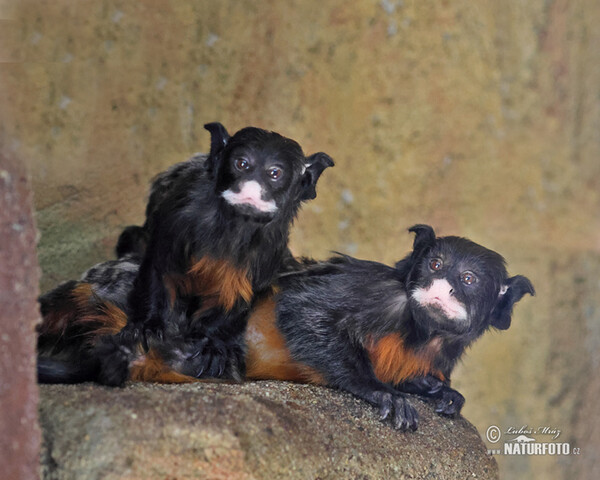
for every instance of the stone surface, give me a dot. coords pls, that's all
(481, 120)
(261, 430)
(19, 313)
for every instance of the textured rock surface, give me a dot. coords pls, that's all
(263, 430)
(481, 119)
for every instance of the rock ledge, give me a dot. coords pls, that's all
(259, 430)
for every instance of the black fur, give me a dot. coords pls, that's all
(188, 219)
(329, 312)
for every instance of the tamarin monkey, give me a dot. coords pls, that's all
(215, 236)
(379, 332)
(375, 331)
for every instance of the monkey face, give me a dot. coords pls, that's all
(260, 173)
(456, 285)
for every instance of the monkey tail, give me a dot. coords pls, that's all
(52, 370)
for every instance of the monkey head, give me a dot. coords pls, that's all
(457, 288)
(260, 174)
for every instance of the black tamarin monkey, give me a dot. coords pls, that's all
(376, 331)
(379, 332)
(215, 236)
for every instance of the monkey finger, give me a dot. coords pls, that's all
(145, 343)
(444, 408)
(384, 401)
(202, 365)
(216, 367)
(405, 415)
(222, 368)
(149, 337)
(129, 335)
(199, 370)
(198, 348)
(459, 401)
(432, 385)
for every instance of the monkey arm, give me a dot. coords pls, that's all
(147, 309)
(358, 378)
(148, 301)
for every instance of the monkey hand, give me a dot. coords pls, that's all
(210, 357)
(449, 402)
(151, 331)
(397, 407)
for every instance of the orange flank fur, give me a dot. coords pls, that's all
(150, 367)
(212, 279)
(268, 357)
(105, 319)
(63, 316)
(394, 363)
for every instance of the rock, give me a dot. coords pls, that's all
(250, 431)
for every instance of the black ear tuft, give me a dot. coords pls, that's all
(513, 290)
(424, 239)
(218, 137)
(316, 163)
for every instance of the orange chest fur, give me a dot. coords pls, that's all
(394, 363)
(218, 282)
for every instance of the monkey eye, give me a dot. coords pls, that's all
(242, 164)
(468, 278)
(436, 264)
(275, 172)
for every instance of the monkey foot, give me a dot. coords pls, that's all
(401, 413)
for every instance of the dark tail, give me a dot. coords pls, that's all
(52, 370)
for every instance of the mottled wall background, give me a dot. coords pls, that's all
(480, 118)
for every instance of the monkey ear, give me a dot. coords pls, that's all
(511, 292)
(218, 139)
(315, 164)
(424, 239)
